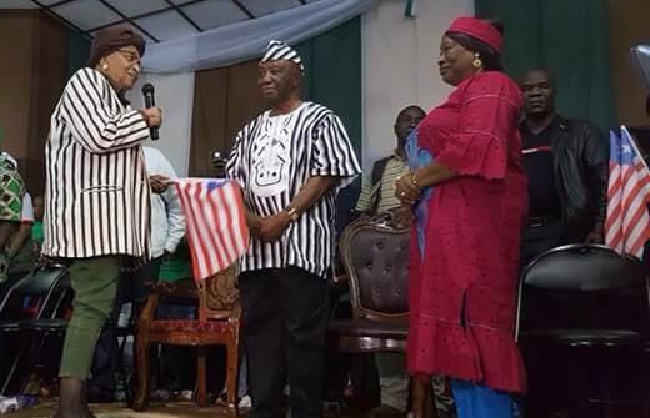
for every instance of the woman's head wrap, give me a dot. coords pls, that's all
(112, 38)
(479, 29)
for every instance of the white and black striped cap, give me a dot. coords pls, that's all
(278, 50)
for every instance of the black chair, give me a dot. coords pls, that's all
(51, 287)
(120, 334)
(591, 306)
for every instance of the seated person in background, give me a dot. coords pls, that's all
(378, 192)
(567, 164)
(24, 248)
(12, 190)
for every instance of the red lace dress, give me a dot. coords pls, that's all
(463, 290)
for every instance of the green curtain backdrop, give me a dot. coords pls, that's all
(569, 37)
(333, 78)
(333, 73)
(78, 51)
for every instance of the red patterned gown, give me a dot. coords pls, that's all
(463, 289)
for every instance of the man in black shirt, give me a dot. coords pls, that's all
(566, 161)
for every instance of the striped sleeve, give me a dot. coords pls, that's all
(234, 163)
(364, 204)
(332, 153)
(93, 124)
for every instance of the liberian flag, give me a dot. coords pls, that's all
(627, 225)
(216, 225)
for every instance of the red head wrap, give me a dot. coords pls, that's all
(479, 29)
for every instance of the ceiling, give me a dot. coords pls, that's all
(157, 20)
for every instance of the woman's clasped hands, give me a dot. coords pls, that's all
(407, 190)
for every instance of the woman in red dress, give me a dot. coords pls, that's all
(468, 191)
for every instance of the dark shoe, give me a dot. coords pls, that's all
(70, 401)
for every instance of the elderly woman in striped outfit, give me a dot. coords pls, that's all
(97, 195)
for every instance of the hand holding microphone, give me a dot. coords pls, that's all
(152, 113)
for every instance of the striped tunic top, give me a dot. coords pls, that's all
(272, 158)
(96, 191)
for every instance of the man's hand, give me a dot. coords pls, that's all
(158, 183)
(253, 222)
(272, 227)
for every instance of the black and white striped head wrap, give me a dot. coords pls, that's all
(278, 50)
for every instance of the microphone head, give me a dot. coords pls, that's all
(147, 88)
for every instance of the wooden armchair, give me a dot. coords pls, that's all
(375, 254)
(217, 324)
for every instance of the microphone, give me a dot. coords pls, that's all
(150, 101)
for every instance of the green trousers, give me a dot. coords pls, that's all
(94, 281)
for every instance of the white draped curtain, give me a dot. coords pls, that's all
(242, 41)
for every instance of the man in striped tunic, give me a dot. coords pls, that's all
(96, 195)
(290, 161)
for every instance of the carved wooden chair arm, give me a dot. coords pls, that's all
(149, 311)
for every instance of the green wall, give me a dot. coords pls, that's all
(569, 37)
(333, 78)
(78, 51)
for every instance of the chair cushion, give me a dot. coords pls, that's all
(369, 328)
(379, 264)
(579, 336)
(189, 326)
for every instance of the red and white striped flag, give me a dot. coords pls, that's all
(627, 225)
(216, 226)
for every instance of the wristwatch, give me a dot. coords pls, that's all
(293, 213)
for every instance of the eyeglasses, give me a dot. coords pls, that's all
(131, 57)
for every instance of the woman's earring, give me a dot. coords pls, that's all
(105, 67)
(477, 63)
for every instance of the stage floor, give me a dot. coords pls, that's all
(157, 410)
(117, 410)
